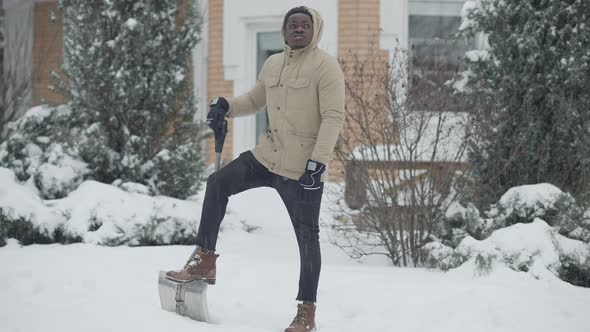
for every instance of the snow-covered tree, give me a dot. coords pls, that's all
(126, 76)
(529, 89)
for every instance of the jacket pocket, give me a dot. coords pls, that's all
(271, 83)
(298, 151)
(300, 96)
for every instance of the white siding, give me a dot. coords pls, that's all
(200, 66)
(394, 24)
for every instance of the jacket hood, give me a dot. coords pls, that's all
(318, 28)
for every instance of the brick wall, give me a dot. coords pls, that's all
(358, 37)
(47, 51)
(358, 26)
(216, 84)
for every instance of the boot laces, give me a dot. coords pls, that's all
(301, 317)
(193, 263)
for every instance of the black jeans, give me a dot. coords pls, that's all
(244, 173)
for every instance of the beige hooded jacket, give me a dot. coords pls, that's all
(303, 90)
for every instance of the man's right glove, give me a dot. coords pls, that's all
(216, 116)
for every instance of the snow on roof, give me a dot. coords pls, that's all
(430, 137)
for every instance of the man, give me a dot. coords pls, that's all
(303, 90)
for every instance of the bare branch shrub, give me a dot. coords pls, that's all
(403, 153)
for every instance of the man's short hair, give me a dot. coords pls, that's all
(296, 10)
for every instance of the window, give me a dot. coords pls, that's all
(436, 53)
(268, 43)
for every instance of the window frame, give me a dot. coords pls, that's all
(439, 9)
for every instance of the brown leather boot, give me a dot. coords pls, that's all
(304, 321)
(200, 267)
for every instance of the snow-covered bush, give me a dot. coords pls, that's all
(458, 223)
(60, 173)
(94, 213)
(525, 203)
(107, 215)
(522, 204)
(38, 151)
(574, 272)
(56, 154)
(535, 248)
(28, 232)
(177, 169)
(578, 229)
(442, 256)
(24, 216)
(532, 228)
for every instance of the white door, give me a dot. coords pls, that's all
(262, 42)
(267, 44)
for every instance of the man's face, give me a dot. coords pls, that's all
(299, 30)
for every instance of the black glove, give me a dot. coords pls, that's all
(310, 180)
(216, 116)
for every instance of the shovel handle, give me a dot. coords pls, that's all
(219, 140)
(220, 136)
(217, 161)
(218, 148)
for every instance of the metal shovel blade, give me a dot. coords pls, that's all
(186, 299)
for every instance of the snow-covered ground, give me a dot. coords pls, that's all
(85, 287)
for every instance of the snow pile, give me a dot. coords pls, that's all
(105, 214)
(525, 203)
(520, 204)
(535, 248)
(60, 174)
(95, 213)
(536, 198)
(533, 228)
(458, 223)
(62, 288)
(20, 202)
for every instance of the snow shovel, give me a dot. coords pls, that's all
(190, 299)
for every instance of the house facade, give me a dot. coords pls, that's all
(237, 38)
